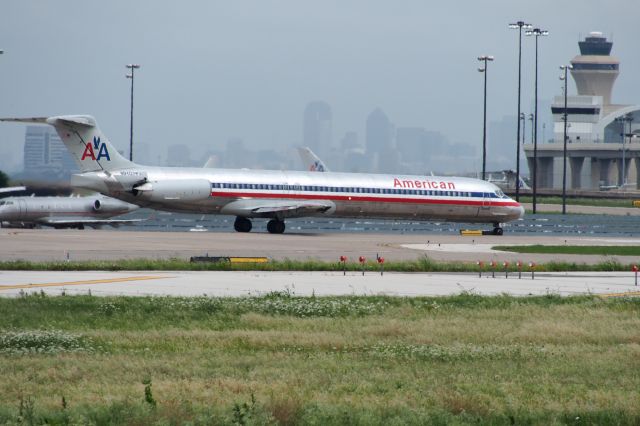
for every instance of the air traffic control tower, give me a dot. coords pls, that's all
(601, 135)
(595, 70)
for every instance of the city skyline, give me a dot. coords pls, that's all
(248, 71)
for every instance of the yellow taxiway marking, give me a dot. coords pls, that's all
(84, 282)
(625, 294)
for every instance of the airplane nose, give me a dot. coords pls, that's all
(519, 211)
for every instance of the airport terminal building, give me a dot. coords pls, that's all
(603, 138)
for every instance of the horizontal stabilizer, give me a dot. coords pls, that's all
(12, 189)
(42, 120)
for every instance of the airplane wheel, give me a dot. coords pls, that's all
(497, 231)
(275, 226)
(81, 227)
(242, 224)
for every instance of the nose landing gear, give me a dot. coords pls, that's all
(275, 226)
(497, 229)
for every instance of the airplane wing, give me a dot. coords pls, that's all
(278, 208)
(62, 222)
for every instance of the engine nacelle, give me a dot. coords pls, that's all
(173, 190)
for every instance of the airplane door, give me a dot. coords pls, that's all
(486, 201)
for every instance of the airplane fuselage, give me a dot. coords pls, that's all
(346, 194)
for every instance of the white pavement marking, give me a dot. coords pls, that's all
(197, 283)
(455, 248)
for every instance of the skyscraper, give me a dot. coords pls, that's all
(317, 127)
(379, 132)
(380, 147)
(44, 153)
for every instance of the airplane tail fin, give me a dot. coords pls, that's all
(311, 160)
(86, 143)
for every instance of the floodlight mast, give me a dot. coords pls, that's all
(485, 59)
(132, 67)
(519, 26)
(563, 77)
(537, 32)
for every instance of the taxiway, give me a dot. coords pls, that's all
(198, 283)
(51, 245)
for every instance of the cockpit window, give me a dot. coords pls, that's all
(500, 194)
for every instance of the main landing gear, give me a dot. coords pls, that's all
(275, 226)
(242, 224)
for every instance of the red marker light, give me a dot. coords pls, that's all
(634, 268)
(381, 260)
(362, 259)
(343, 258)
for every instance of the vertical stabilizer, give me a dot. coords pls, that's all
(311, 161)
(87, 144)
(84, 140)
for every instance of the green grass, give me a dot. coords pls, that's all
(598, 202)
(586, 250)
(423, 264)
(282, 359)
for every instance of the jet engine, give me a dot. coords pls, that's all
(174, 190)
(97, 205)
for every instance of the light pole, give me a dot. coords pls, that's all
(537, 32)
(519, 26)
(485, 59)
(132, 67)
(531, 120)
(523, 118)
(564, 68)
(624, 119)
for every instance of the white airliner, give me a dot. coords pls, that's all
(63, 212)
(276, 195)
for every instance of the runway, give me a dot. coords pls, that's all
(234, 284)
(52, 245)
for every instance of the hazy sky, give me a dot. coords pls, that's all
(212, 70)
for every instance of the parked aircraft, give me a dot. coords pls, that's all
(276, 195)
(63, 212)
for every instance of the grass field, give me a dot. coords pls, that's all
(424, 264)
(598, 202)
(282, 359)
(597, 250)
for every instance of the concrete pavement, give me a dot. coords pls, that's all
(198, 283)
(50, 244)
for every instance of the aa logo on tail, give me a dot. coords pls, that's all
(97, 146)
(316, 167)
